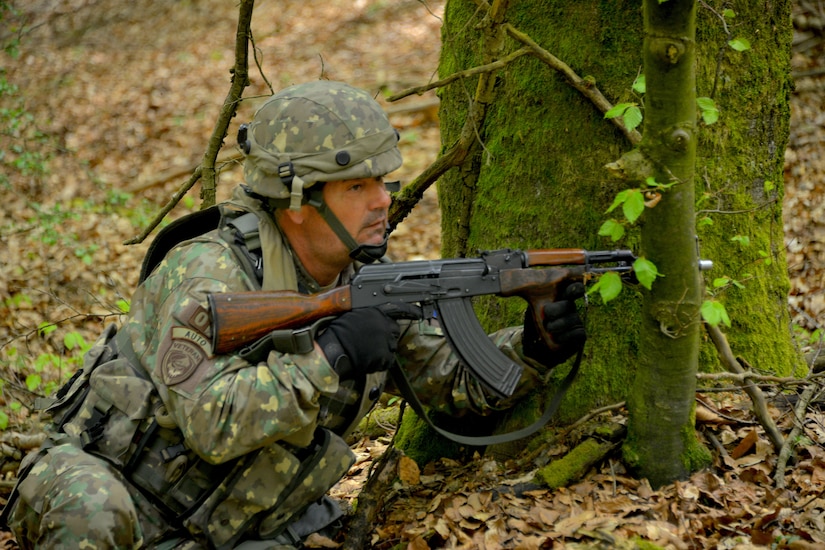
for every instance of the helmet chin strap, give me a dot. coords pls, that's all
(364, 253)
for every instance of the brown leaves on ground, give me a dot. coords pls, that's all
(487, 505)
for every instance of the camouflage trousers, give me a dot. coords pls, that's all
(71, 499)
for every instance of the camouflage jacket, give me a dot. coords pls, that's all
(261, 415)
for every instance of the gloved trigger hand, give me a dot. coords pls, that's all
(402, 310)
(360, 341)
(565, 334)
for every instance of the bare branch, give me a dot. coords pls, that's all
(206, 170)
(587, 88)
(170, 204)
(760, 407)
(489, 67)
(786, 450)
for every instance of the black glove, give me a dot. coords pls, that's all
(562, 323)
(365, 340)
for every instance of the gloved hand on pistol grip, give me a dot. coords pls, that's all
(364, 340)
(563, 325)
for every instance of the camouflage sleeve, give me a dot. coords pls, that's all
(444, 384)
(225, 406)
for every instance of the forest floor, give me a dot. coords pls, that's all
(117, 100)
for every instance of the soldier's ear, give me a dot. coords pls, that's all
(296, 217)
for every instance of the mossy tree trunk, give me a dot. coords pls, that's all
(661, 442)
(536, 177)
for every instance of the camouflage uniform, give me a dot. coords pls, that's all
(191, 449)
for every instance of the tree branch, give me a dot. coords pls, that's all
(741, 377)
(787, 448)
(489, 67)
(240, 80)
(760, 407)
(406, 200)
(371, 500)
(587, 87)
(206, 170)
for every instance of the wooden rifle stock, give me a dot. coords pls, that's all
(244, 317)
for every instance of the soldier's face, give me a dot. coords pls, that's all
(361, 205)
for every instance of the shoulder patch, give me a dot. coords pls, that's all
(187, 350)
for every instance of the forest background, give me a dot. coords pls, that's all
(105, 109)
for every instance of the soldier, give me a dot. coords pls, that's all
(160, 443)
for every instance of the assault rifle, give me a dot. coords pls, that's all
(443, 289)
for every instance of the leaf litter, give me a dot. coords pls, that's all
(124, 94)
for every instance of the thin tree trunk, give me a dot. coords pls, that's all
(661, 442)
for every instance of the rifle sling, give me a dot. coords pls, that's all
(404, 386)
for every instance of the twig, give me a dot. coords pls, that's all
(489, 67)
(741, 377)
(760, 407)
(587, 88)
(787, 449)
(223, 159)
(406, 199)
(170, 204)
(206, 170)
(528, 459)
(371, 499)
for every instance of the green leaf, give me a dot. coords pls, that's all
(619, 200)
(46, 328)
(768, 186)
(634, 205)
(728, 13)
(707, 106)
(632, 118)
(646, 272)
(612, 229)
(705, 103)
(720, 281)
(123, 305)
(608, 286)
(640, 84)
(74, 340)
(705, 221)
(714, 312)
(740, 44)
(4, 420)
(710, 117)
(33, 381)
(618, 110)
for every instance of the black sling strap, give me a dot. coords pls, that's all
(403, 385)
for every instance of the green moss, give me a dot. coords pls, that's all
(642, 544)
(423, 444)
(537, 180)
(573, 465)
(695, 456)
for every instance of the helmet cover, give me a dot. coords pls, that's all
(327, 130)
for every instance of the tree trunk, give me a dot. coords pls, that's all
(537, 177)
(661, 441)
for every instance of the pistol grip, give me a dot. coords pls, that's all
(536, 308)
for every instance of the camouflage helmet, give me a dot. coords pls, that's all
(318, 131)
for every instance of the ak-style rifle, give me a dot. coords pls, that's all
(443, 289)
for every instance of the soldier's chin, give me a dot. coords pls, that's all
(374, 237)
